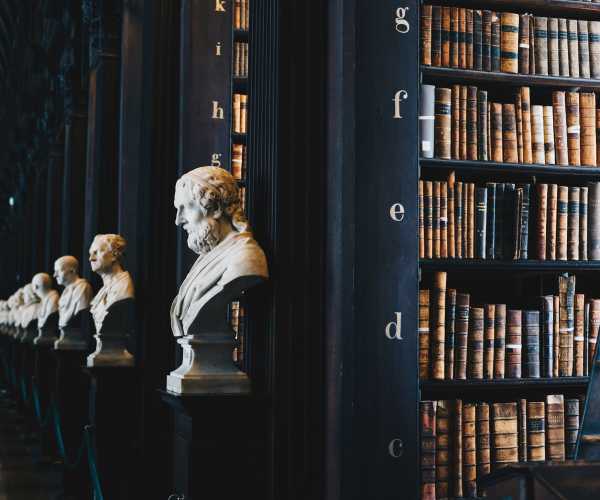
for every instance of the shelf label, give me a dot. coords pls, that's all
(215, 159)
(218, 48)
(400, 96)
(220, 5)
(396, 448)
(393, 330)
(397, 212)
(218, 113)
(402, 25)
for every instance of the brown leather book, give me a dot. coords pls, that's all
(541, 219)
(243, 114)
(566, 288)
(531, 343)
(504, 442)
(443, 220)
(450, 334)
(531, 46)
(469, 38)
(466, 219)
(462, 38)
(443, 119)
(594, 327)
(553, 50)
(442, 449)
(496, 128)
(421, 221)
(454, 37)
(451, 216)
(472, 128)
(537, 134)
(522, 429)
(526, 112)
(549, 135)
(458, 223)
(571, 427)
(536, 431)
(524, 44)
(573, 128)
(573, 35)
(471, 235)
(495, 40)
(562, 218)
(583, 222)
(427, 410)
(541, 45)
(446, 16)
(560, 128)
(461, 336)
(563, 47)
(579, 338)
(593, 220)
(509, 134)
(483, 439)
(436, 203)
(594, 37)
(469, 451)
(487, 40)
(556, 339)
(475, 346)
(547, 337)
(513, 344)
(423, 334)
(457, 449)
(455, 141)
(519, 116)
(438, 330)
(428, 204)
(499, 339)
(573, 224)
(509, 42)
(555, 428)
(552, 221)
(482, 125)
(587, 110)
(488, 341)
(463, 122)
(584, 49)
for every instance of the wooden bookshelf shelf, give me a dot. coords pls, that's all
(508, 265)
(239, 138)
(549, 7)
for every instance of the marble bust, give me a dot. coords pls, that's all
(230, 261)
(48, 311)
(16, 306)
(28, 314)
(115, 299)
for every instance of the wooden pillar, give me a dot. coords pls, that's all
(53, 214)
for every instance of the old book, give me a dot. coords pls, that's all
(442, 122)
(487, 40)
(566, 288)
(556, 347)
(587, 117)
(499, 339)
(237, 161)
(469, 38)
(462, 38)
(237, 15)
(446, 15)
(471, 221)
(483, 439)
(472, 128)
(482, 125)
(586, 330)
(497, 132)
(509, 235)
(593, 330)
(488, 341)
(524, 44)
(579, 337)
(490, 234)
(573, 34)
(526, 127)
(509, 42)
(541, 220)
(455, 117)
(466, 219)
(509, 134)
(531, 45)
(461, 336)
(477, 41)
(549, 135)
(427, 120)
(562, 218)
(583, 222)
(547, 337)
(536, 431)
(450, 334)
(475, 346)
(436, 202)
(537, 134)
(480, 221)
(457, 449)
(454, 35)
(524, 222)
(584, 49)
(504, 432)
(573, 224)
(442, 449)
(469, 451)
(495, 43)
(427, 410)
(522, 429)
(463, 122)
(560, 128)
(499, 242)
(555, 431)
(552, 220)
(237, 113)
(243, 114)
(553, 51)
(513, 344)
(515, 235)
(428, 205)
(451, 213)
(594, 220)
(458, 223)
(444, 220)
(594, 38)
(531, 332)
(541, 45)
(519, 120)
(563, 47)
(571, 427)
(438, 330)
(423, 334)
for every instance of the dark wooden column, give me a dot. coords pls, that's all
(38, 228)
(54, 186)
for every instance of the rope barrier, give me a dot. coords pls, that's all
(37, 407)
(92, 463)
(60, 443)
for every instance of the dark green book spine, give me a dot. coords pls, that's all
(486, 50)
(495, 45)
(524, 228)
(480, 221)
(477, 41)
(499, 246)
(490, 235)
(509, 211)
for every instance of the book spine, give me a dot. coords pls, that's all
(586, 330)
(428, 209)
(519, 120)
(571, 427)
(446, 15)
(483, 439)
(442, 127)
(455, 122)
(428, 442)
(536, 431)
(541, 45)
(421, 221)
(438, 329)
(509, 216)
(552, 220)
(522, 430)
(488, 341)
(587, 110)
(459, 219)
(457, 449)
(482, 125)
(541, 219)
(444, 220)
(491, 221)
(526, 127)
(450, 334)
(537, 134)
(573, 224)
(509, 41)
(513, 344)
(547, 335)
(509, 134)
(495, 44)
(553, 51)
(461, 336)
(594, 220)
(562, 212)
(531, 45)
(471, 225)
(423, 334)
(487, 41)
(481, 221)
(436, 219)
(549, 135)
(563, 47)
(594, 38)
(471, 125)
(442, 449)
(573, 128)
(469, 451)
(477, 41)
(469, 38)
(427, 120)
(573, 35)
(516, 232)
(499, 339)
(462, 38)
(557, 338)
(593, 330)
(579, 338)
(560, 128)
(496, 126)
(463, 122)
(454, 45)
(524, 44)
(436, 36)
(475, 346)
(584, 49)
(504, 434)
(531, 330)
(500, 191)
(583, 222)
(566, 329)
(451, 216)
(555, 428)
(524, 223)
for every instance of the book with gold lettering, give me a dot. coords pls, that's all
(462, 38)
(423, 334)
(471, 221)
(487, 40)
(563, 47)
(471, 123)
(455, 122)
(454, 36)
(573, 35)
(513, 344)
(561, 224)
(428, 217)
(541, 220)
(499, 340)
(497, 133)
(553, 51)
(421, 220)
(458, 222)
(587, 116)
(428, 446)
(475, 343)
(573, 224)
(450, 334)
(461, 335)
(488, 341)
(526, 127)
(509, 42)
(536, 431)
(446, 16)
(583, 222)
(524, 47)
(442, 125)
(509, 134)
(522, 429)
(436, 202)
(495, 43)
(442, 449)
(531, 334)
(552, 221)
(443, 220)
(573, 128)
(584, 49)
(477, 40)
(483, 439)
(480, 221)
(560, 128)
(555, 429)
(547, 336)
(541, 45)
(579, 337)
(463, 122)
(451, 218)
(469, 38)
(482, 125)
(457, 449)
(438, 326)
(571, 427)
(504, 434)
(469, 450)
(519, 116)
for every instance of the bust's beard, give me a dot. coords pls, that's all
(204, 237)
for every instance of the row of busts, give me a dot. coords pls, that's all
(38, 314)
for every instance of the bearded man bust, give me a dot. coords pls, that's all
(229, 262)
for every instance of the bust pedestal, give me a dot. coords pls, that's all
(48, 332)
(111, 340)
(43, 380)
(29, 333)
(74, 336)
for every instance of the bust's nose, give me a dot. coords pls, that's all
(179, 218)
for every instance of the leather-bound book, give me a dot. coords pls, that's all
(438, 317)
(451, 218)
(593, 330)
(531, 45)
(562, 218)
(584, 49)
(421, 221)
(524, 221)
(579, 338)
(509, 236)
(464, 93)
(462, 38)
(450, 334)
(487, 40)
(480, 221)
(444, 220)
(488, 341)
(482, 125)
(509, 134)
(469, 451)
(567, 325)
(509, 42)
(443, 102)
(475, 347)
(454, 35)
(519, 119)
(466, 218)
(536, 431)
(423, 334)
(442, 449)
(243, 113)
(522, 429)
(549, 135)
(556, 350)
(547, 336)
(586, 332)
(571, 427)
(537, 134)
(513, 344)
(553, 51)
(563, 47)
(426, 11)
(490, 235)
(495, 38)
(583, 222)
(526, 127)
(427, 120)
(458, 220)
(457, 449)
(427, 410)
(477, 41)
(483, 439)
(499, 242)
(504, 434)
(531, 332)
(472, 128)
(499, 340)
(471, 225)
(515, 237)
(446, 16)
(469, 38)
(541, 45)
(455, 114)
(573, 224)
(560, 128)
(461, 336)
(594, 37)
(496, 127)
(587, 117)
(555, 428)
(436, 202)
(573, 34)
(541, 220)
(552, 220)
(428, 204)
(524, 44)
(593, 220)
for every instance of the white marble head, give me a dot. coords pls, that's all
(106, 252)
(42, 284)
(208, 204)
(66, 270)
(29, 295)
